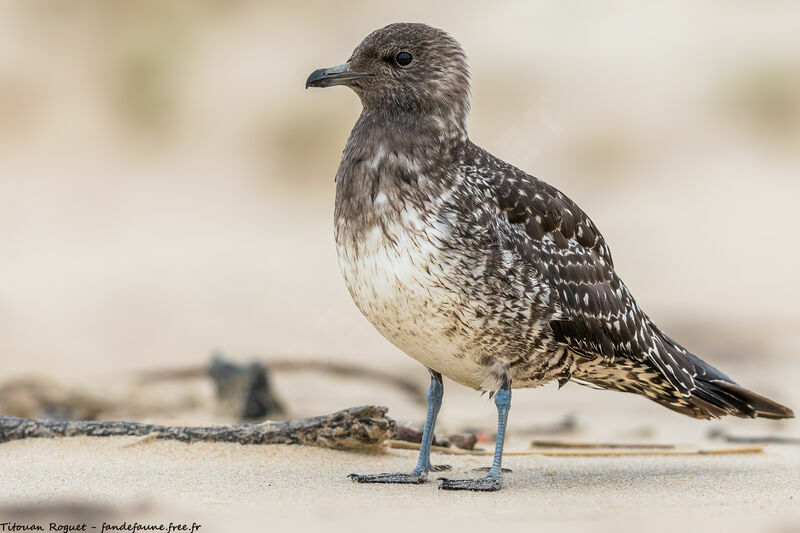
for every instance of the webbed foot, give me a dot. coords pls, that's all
(414, 477)
(484, 484)
(400, 477)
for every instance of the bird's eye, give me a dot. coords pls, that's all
(403, 59)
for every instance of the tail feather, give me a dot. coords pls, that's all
(717, 392)
(710, 394)
(741, 402)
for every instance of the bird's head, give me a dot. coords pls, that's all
(406, 71)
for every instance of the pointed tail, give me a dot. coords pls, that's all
(720, 391)
(715, 394)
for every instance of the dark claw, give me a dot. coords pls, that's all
(477, 485)
(412, 478)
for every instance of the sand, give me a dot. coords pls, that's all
(225, 487)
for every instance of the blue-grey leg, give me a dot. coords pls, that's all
(420, 472)
(490, 481)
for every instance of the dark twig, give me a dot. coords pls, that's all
(357, 427)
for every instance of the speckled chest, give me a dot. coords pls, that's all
(401, 278)
(441, 288)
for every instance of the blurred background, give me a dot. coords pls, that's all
(166, 184)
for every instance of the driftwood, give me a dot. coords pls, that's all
(413, 388)
(357, 427)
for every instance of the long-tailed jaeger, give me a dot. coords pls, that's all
(479, 271)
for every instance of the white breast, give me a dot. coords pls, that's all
(397, 278)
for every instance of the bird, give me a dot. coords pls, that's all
(480, 271)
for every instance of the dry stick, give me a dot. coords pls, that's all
(412, 388)
(357, 427)
(596, 452)
(585, 445)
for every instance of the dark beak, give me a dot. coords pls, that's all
(328, 77)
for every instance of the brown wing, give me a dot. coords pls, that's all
(596, 316)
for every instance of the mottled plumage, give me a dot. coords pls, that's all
(483, 273)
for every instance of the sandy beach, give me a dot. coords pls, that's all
(229, 487)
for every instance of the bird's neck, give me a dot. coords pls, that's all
(398, 139)
(393, 160)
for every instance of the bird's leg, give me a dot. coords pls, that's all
(490, 481)
(435, 394)
(420, 472)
